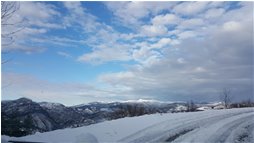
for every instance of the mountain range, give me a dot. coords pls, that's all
(23, 116)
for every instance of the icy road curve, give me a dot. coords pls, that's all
(214, 126)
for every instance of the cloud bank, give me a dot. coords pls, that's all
(171, 50)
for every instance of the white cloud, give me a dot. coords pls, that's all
(141, 53)
(181, 60)
(146, 56)
(24, 48)
(200, 66)
(151, 60)
(106, 54)
(23, 85)
(74, 7)
(129, 36)
(32, 31)
(191, 23)
(186, 35)
(31, 20)
(78, 17)
(47, 25)
(190, 8)
(37, 14)
(43, 11)
(214, 13)
(19, 35)
(216, 4)
(102, 38)
(237, 14)
(153, 30)
(210, 49)
(107, 46)
(232, 26)
(162, 43)
(130, 13)
(199, 69)
(116, 78)
(165, 19)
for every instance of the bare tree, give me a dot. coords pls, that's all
(226, 97)
(7, 11)
(9, 27)
(191, 106)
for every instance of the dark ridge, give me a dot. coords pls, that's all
(22, 142)
(172, 138)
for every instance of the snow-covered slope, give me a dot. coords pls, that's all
(230, 125)
(23, 116)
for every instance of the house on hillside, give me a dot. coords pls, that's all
(217, 107)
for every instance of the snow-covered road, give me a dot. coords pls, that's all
(231, 125)
(204, 127)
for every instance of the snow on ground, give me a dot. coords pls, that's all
(230, 125)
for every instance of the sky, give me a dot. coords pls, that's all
(80, 52)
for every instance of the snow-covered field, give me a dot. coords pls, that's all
(230, 125)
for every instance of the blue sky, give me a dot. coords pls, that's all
(78, 52)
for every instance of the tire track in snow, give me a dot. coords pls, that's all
(225, 132)
(243, 133)
(167, 129)
(216, 132)
(207, 122)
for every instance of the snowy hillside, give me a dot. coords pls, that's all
(230, 125)
(23, 116)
